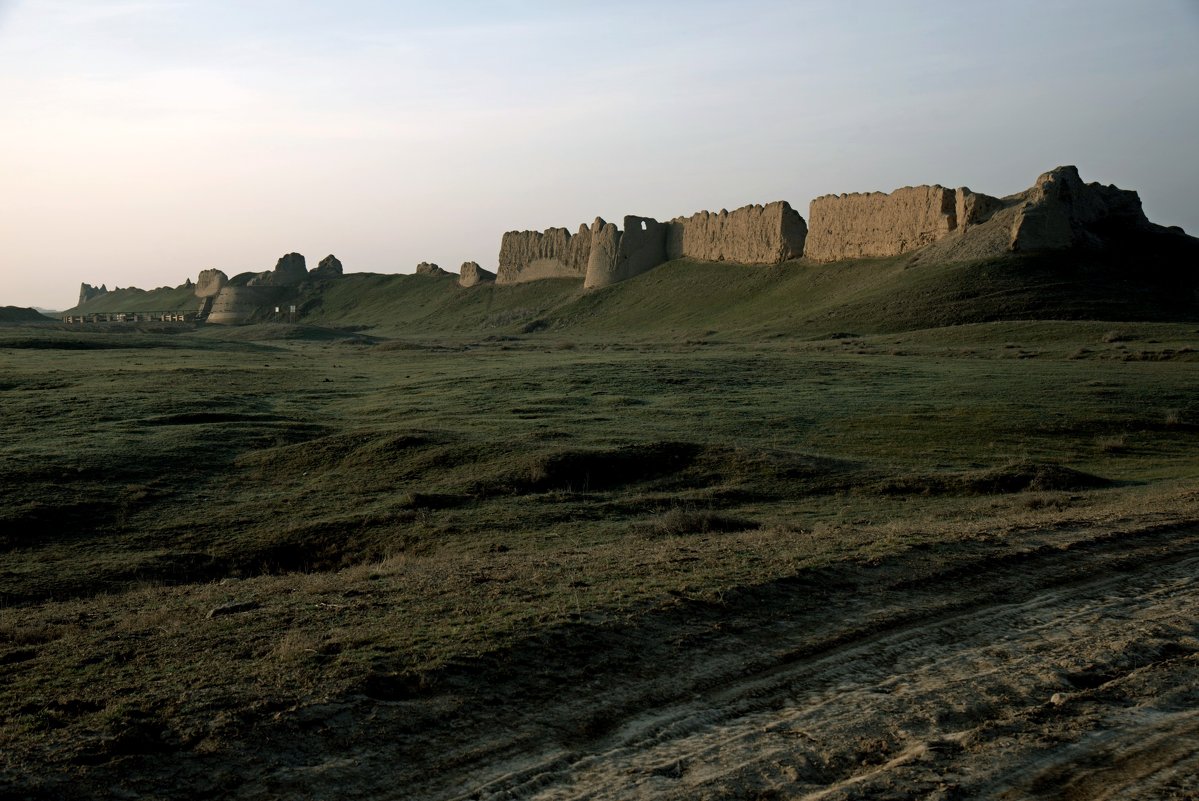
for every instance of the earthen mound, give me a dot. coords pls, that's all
(17, 314)
(289, 270)
(427, 268)
(330, 267)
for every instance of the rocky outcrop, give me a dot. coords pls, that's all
(330, 267)
(210, 283)
(768, 234)
(1059, 210)
(426, 268)
(87, 292)
(471, 274)
(533, 255)
(289, 270)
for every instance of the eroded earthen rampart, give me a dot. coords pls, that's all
(471, 274)
(604, 254)
(533, 255)
(242, 304)
(874, 224)
(768, 234)
(1058, 211)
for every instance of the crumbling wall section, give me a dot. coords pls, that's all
(428, 268)
(642, 246)
(618, 256)
(1059, 210)
(242, 304)
(210, 283)
(290, 269)
(973, 208)
(754, 234)
(874, 224)
(605, 250)
(87, 292)
(533, 255)
(329, 267)
(471, 274)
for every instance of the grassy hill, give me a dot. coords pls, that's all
(1153, 278)
(17, 314)
(133, 299)
(419, 304)
(685, 299)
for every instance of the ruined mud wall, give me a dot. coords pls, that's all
(618, 256)
(241, 304)
(87, 292)
(471, 274)
(603, 254)
(768, 234)
(973, 208)
(428, 268)
(1059, 210)
(532, 255)
(210, 283)
(290, 269)
(876, 224)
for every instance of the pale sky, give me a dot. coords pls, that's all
(144, 141)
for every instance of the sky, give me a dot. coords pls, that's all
(142, 141)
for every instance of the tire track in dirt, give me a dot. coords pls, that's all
(935, 704)
(1061, 666)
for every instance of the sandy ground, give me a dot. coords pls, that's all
(1066, 668)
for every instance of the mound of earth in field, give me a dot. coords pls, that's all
(18, 314)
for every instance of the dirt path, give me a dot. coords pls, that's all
(1066, 669)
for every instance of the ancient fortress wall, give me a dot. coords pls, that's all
(532, 255)
(210, 283)
(768, 234)
(618, 256)
(1058, 211)
(1059, 208)
(875, 224)
(604, 254)
(240, 304)
(471, 274)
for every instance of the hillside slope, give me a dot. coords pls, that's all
(17, 314)
(132, 299)
(1151, 278)
(1143, 275)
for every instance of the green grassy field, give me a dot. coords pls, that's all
(421, 475)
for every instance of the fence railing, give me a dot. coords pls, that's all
(133, 317)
